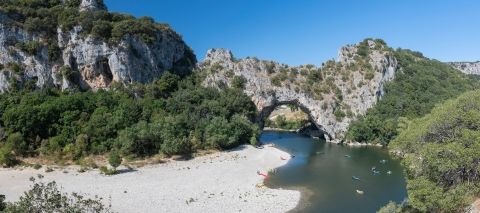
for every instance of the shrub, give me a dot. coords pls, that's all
(67, 73)
(102, 29)
(3, 205)
(53, 51)
(114, 159)
(238, 82)
(104, 170)
(369, 75)
(29, 47)
(363, 49)
(15, 67)
(276, 81)
(37, 166)
(339, 114)
(175, 146)
(7, 158)
(48, 198)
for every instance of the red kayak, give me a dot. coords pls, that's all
(264, 175)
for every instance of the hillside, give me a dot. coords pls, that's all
(420, 83)
(78, 44)
(440, 153)
(332, 95)
(472, 68)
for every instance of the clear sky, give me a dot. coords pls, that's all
(310, 32)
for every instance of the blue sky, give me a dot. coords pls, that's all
(310, 32)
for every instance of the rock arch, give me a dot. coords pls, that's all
(267, 110)
(344, 89)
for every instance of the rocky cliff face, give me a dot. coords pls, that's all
(472, 68)
(86, 61)
(332, 95)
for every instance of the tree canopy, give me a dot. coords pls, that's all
(419, 84)
(441, 155)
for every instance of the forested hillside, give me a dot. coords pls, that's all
(441, 155)
(419, 84)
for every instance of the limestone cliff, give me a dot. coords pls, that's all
(84, 61)
(472, 68)
(332, 95)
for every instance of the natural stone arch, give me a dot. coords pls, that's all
(267, 110)
(355, 80)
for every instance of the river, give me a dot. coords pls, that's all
(323, 171)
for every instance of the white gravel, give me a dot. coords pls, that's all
(220, 182)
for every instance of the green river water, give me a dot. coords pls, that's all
(323, 172)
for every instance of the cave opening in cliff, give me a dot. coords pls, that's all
(104, 70)
(292, 117)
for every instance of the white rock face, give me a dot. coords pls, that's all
(358, 94)
(472, 68)
(92, 5)
(96, 63)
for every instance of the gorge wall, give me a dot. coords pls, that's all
(332, 95)
(85, 61)
(471, 68)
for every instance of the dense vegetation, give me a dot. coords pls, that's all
(419, 85)
(170, 116)
(282, 122)
(48, 198)
(441, 154)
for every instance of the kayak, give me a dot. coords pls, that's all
(355, 178)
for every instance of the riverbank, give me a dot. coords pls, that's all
(220, 182)
(279, 129)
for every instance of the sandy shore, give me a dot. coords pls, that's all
(220, 182)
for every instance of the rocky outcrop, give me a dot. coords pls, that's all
(85, 61)
(92, 5)
(332, 95)
(472, 68)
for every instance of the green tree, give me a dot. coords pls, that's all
(48, 198)
(114, 159)
(238, 82)
(102, 29)
(3, 205)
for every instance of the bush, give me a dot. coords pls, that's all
(369, 75)
(3, 205)
(48, 198)
(106, 171)
(67, 73)
(391, 207)
(176, 146)
(54, 51)
(7, 158)
(29, 47)
(238, 82)
(15, 67)
(114, 159)
(339, 114)
(102, 29)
